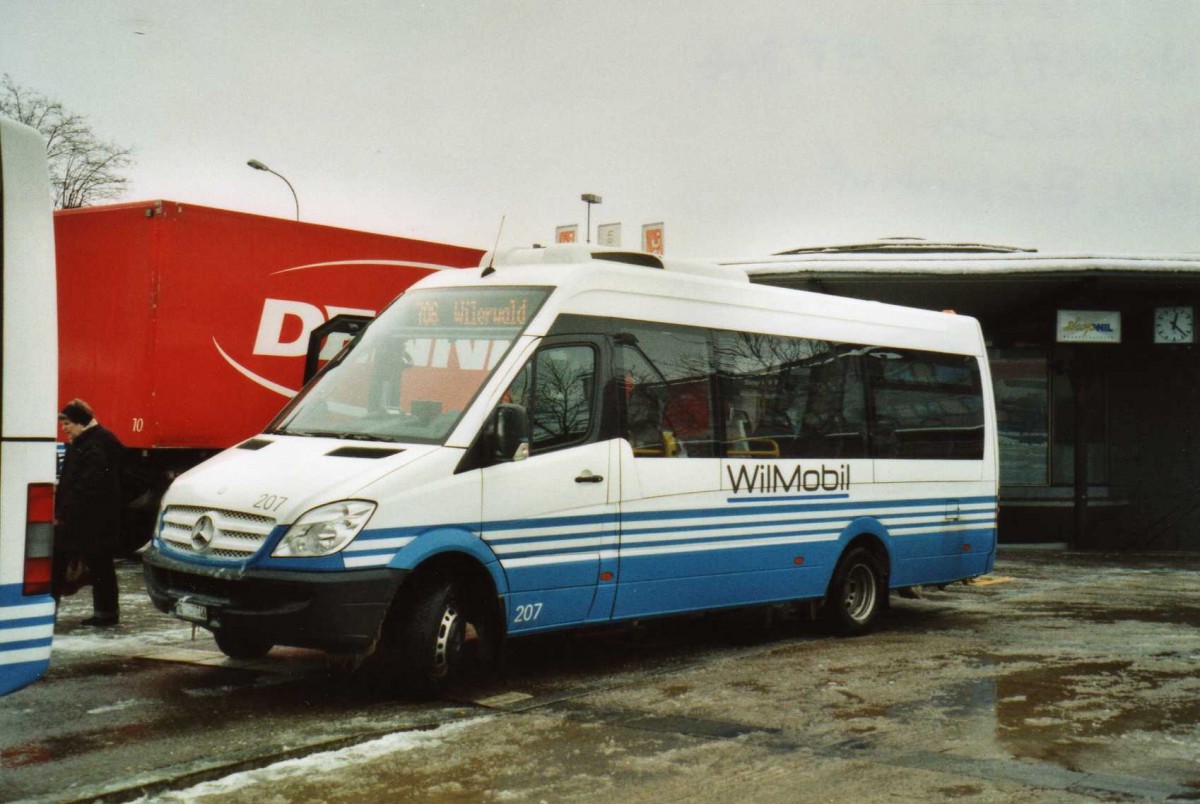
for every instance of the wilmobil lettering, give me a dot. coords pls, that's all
(765, 478)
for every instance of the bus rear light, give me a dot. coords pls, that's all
(39, 538)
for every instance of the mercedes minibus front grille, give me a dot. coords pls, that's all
(225, 536)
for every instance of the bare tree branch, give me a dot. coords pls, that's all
(83, 169)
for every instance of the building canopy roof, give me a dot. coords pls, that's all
(916, 256)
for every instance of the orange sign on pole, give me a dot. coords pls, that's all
(652, 238)
(566, 234)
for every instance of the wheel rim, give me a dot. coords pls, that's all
(859, 594)
(449, 641)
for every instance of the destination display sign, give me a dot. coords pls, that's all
(501, 308)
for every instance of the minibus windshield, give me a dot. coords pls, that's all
(417, 367)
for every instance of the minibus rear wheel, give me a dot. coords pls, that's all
(432, 637)
(242, 645)
(856, 593)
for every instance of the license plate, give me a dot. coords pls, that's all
(191, 611)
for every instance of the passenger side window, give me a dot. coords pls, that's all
(927, 405)
(834, 422)
(790, 397)
(557, 389)
(666, 376)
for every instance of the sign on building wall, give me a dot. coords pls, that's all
(609, 234)
(652, 238)
(566, 234)
(1089, 326)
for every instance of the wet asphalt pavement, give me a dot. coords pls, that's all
(1062, 677)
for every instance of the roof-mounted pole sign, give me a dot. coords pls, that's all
(589, 199)
(652, 238)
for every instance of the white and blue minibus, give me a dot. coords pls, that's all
(28, 395)
(568, 437)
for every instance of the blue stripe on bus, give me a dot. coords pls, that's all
(544, 536)
(27, 622)
(547, 547)
(763, 529)
(378, 551)
(878, 509)
(24, 644)
(700, 513)
(613, 519)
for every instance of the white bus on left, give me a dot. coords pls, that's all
(28, 397)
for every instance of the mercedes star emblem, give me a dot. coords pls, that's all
(202, 533)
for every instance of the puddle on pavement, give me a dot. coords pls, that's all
(1049, 712)
(1069, 713)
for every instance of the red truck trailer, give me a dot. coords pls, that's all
(186, 327)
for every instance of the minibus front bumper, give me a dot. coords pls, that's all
(339, 612)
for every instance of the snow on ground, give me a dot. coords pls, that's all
(329, 763)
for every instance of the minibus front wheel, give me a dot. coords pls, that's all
(432, 636)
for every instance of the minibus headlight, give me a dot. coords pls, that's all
(324, 530)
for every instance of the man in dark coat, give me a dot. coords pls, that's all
(87, 508)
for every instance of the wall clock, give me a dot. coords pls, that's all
(1175, 325)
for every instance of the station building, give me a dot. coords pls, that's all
(1095, 370)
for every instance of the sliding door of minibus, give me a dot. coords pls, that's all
(675, 553)
(551, 518)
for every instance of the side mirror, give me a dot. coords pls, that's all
(342, 323)
(510, 433)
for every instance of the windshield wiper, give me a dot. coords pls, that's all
(346, 436)
(365, 437)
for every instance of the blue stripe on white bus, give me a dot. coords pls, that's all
(766, 505)
(970, 507)
(26, 634)
(763, 539)
(683, 541)
(724, 530)
(570, 540)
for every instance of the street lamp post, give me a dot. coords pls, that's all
(589, 199)
(254, 163)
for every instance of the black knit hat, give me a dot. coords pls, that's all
(76, 412)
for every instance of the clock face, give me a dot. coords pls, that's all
(1175, 325)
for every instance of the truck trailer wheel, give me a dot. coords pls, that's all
(242, 645)
(856, 593)
(431, 638)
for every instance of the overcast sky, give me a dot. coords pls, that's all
(745, 127)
